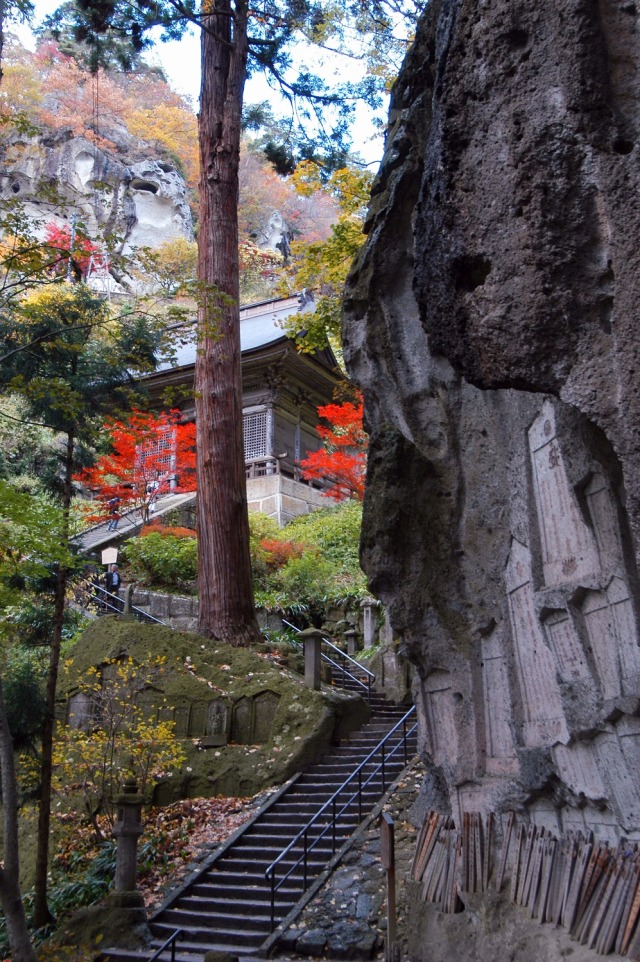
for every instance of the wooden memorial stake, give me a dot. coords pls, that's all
(387, 853)
(505, 850)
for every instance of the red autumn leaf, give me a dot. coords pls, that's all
(342, 460)
(151, 455)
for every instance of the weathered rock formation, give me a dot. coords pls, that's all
(492, 322)
(133, 199)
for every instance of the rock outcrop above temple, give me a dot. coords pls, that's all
(126, 195)
(492, 322)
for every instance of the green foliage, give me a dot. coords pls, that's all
(335, 531)
(304, 567)
(30, 545)
(165, 561)
(23, 689)
(328, 570)
(27, 451)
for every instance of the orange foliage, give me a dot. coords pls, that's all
(76, 100)
(169, 530)
(343, 458)
(174, 127)
(277, 553)
(263, 191)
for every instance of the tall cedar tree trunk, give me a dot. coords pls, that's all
(226, 608)
(41, 914)
(10, 898)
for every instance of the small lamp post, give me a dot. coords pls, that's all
(127, 830)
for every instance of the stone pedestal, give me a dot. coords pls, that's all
(312, 640)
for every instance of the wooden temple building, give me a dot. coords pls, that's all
(282, 389)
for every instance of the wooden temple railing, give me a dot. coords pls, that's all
(264, 467)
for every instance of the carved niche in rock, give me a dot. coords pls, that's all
(253, 717)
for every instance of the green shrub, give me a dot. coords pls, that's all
(164, 561)
(335, 531)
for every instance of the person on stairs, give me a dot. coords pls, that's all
(112, 580)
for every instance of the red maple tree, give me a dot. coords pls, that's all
(71, 250)
(342, 460)
(151, 455)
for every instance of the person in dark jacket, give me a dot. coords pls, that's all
(112, 580)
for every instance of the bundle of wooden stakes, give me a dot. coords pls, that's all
(588, 887)
(447, 861)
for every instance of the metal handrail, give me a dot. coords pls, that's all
(171, 941)
(347, 657)
(116, 604)
(331, 807)
(369, 675)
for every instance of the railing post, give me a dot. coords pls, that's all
(312, 640)
(304, 863)
(272, 879)
(333, 833)
(360, 795)
(384, 773)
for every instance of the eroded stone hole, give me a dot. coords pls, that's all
(471, 271)
(623, 146)
(517, 39)
(137, 184)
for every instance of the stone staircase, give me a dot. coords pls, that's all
(227, 906)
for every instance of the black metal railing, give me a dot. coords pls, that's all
(169, 944)
(339, 661)
(104, 602)
(347, 800)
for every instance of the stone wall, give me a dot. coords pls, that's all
(283, 498)
(491, 321)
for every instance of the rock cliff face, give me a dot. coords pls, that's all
(139, 199)
(492, 321)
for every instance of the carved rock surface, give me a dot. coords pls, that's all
(122, 193)
(492, 323)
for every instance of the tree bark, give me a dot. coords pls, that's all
(41, 914)
(226, 607)
(10, 897)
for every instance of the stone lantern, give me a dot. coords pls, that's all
(369, 621)
(127, 830)
(351, 638)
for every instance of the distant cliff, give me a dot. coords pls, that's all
(131, 196)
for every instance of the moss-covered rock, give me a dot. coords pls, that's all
(274, 724)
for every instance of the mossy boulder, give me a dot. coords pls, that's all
(269, 724)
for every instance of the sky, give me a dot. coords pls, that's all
(180, 61)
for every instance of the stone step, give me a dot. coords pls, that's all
(228, 908)
(254, 917)
(232, 891)
(236, 936)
